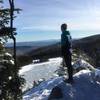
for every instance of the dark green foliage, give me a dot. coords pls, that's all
(24, 60)
(5, 31)
(10, 82)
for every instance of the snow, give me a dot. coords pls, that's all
(80, 63)
(11, 62)
(43, 89)
(8, 54)
(34, 72)
(86, 84)
(57, 61)
(82, 72)
(97, 72)
(36, 61)
(31, 66)
(0, 92)
(85, 87)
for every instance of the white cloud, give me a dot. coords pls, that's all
(41, 28)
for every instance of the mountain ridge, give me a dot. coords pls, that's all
(89, 45)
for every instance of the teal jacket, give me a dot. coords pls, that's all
(66, 39)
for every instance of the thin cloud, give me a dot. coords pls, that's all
(48, 15)
(40, 28)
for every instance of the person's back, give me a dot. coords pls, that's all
(66, 40)
(65, 48)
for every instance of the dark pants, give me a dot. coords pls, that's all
(66, 54)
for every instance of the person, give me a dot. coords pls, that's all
(66, 51)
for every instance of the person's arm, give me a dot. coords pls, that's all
(70, 42)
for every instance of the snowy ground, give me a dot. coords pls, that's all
(34, 72)
(86, 86)
(86, 83)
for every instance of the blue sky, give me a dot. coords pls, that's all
(41, 19)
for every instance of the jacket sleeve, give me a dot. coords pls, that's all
(69, 41)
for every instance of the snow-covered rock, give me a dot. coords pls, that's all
(51, 68)
(97, 72)
(82, 64)
(85, 87)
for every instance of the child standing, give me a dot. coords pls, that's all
(66, 51)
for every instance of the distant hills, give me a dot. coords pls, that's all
(34, 43)
(24, 47)
(91, 46)
(49, 49)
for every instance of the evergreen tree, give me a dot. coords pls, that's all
(10, 81)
